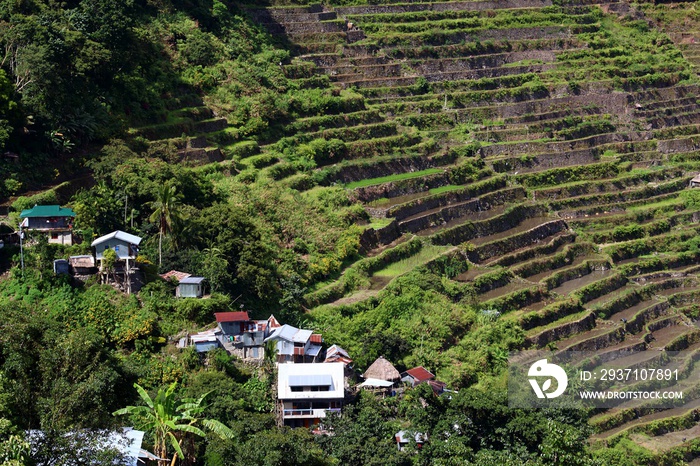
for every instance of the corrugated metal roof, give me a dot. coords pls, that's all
(333, 370)
(313, 350)
(336, 350)
(47, 211)
(420, 374)
(319, 380)
(179, 276)
(192, 280)
(302, 336)
(120, 235)
(82, 261)
(316, 338)
(289, 333)
(202, 338)
(240, 316)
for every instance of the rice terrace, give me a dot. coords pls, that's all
(550, 144)
(434, 183)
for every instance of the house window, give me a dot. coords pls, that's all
(297, 389)
(54, 235)
(320, 388)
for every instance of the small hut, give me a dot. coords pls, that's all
(82, 265)
(190, 287)
(61, 267)
(695, 182)
(382, 369)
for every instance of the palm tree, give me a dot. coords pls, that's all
(172, 421)
(166, 213)
(215, 267)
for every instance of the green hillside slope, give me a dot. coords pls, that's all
(438, 183)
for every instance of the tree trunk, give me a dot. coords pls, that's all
(160, 248)
(162, 452)
(172, 463)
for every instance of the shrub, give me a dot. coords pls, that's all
(627, 232)
(27, 202)
(202, 311)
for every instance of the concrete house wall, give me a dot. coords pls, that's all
(120, 247)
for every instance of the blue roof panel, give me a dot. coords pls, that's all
(321, 380)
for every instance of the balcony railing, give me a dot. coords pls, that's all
(298, 412)
(315, 412)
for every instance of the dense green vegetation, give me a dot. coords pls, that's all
(441, 188)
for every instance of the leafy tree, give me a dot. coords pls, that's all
(109, 262)
(564, 445)
(98, 208)
(10, 114)
(270, 355)
(43, 252)
(215, 268)
(292, 299)
(170, 421)
(362, 435)
(14, 449)
(88, 447)
(165, 214)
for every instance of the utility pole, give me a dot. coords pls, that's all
(126, 200)
(21, 248)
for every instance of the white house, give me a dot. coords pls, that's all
(404, 438)
(296, 345)
(307, 392)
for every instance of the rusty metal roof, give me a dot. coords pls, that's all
(420, 374)
(241, 316)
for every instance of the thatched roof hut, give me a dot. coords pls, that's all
(383, 370)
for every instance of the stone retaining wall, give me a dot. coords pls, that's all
(521, 240)
(445, 6)
(562, 331)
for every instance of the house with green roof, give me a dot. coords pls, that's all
(53, 220)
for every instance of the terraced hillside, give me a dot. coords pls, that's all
(537, 155)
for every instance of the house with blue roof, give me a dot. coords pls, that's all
(296, 345)
(54, 221)
(126, 246)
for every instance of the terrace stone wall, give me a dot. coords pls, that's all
(483, 203)
(446, 6)
(562, 331)
(534, 235)
(401, 188)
